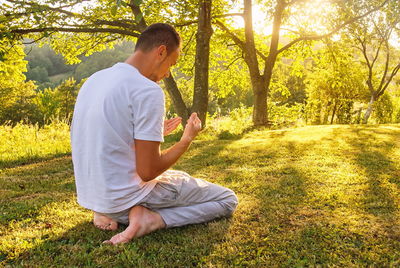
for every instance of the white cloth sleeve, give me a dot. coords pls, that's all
(148, 115)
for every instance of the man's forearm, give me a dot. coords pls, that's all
(169, 156)
(150, 162)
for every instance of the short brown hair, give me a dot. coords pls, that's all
(156, 35)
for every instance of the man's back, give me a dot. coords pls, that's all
(114, 106)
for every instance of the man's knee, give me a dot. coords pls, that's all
(230, 203)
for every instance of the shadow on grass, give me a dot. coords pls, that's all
(29, 188)
(82, 246)
(275, 225)
(29, 160)
(270, 196)
(26, 189)
(374, 157)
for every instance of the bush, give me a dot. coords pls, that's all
(384, 109)
(285, 115)
(228, 127)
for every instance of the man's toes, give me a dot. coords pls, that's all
(113, 226)
(108, 227)
(117, 239)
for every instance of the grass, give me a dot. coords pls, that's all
(22, 143)
(311, 196)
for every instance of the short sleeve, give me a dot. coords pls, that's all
(148, 115)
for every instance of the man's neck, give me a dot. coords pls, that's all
(141, 62)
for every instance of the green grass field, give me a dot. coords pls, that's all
(318, 195)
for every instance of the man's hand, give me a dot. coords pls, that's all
(150, 162)
(193, 127)
(171, 124)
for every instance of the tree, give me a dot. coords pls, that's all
(334, 83)
(83, 27)
(67, 92)
(371, 36)
(203, 35)
(15, 93)
(261, 79)
(48, 105)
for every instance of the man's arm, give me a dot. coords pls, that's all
(151, 162)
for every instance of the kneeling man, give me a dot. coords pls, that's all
(118, 124)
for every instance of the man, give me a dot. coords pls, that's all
(117, 127)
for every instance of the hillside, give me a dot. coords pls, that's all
(318, 195)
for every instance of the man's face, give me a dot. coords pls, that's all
(166, 61)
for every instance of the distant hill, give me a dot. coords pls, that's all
(49, 69)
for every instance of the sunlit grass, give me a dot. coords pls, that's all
(24, 143)
(320, 195)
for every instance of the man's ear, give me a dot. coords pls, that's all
(162, 52)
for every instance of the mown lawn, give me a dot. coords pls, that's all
(320, 195)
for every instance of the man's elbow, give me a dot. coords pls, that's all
(146, 175)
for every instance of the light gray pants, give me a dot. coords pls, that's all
(181, 199)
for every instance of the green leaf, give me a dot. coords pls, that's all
(139, 17)
(114, 10)
(137, 2)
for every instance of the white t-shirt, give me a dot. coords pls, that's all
(114, 107)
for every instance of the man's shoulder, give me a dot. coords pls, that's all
(128, 73)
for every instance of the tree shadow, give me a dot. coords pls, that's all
(30, 188)
(82, 246)
(26, 189)
(267, 201)
(5, 164)
(375, 158)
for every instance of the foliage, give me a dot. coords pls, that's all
(286, 115)
(288, 82)
(22, 108)
(15, 94)
(58, 103)
(334, 82)
(104, 59)
(371, 36)
(384, 110)
(46, 58)
(232, 126)
(296, 208)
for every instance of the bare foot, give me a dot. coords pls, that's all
(104, 223)
(141, 222)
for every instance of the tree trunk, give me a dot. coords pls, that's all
(177, 100)
(369, 109)
(334, 112)
(260, 112)
(204, 32)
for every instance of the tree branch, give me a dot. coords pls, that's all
(236, 39)
(386, 67)
(394, 72)
(116, 23)
(142, 25)
(227, 15)
(377, 53)
(318, 37)
(73, 30)
(187, 23)
(230, 64)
